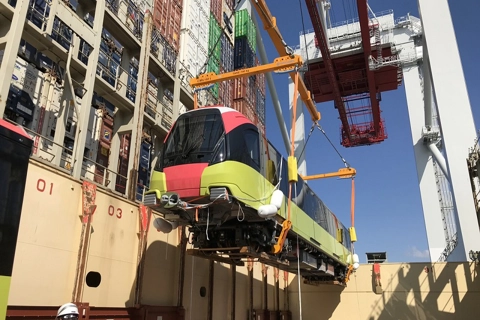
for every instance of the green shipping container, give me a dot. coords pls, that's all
(214, 91)
(213, 65)
(244, 27)
(214, 33)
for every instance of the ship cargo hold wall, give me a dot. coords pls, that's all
(78, 100)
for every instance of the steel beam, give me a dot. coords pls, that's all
(424, 164)
(140, 102)
(455, 117)
(271, 88)
(12, 38)
(321, 35)
(89, 84)
(367, 50)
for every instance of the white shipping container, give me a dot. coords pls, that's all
(195, 23)
(192, 57)
(204, 6)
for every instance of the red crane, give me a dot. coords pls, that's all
(349, 82)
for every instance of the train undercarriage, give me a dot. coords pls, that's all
(232, 232)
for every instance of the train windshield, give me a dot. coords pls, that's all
(193, 139)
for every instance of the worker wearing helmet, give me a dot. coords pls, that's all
(68, 311)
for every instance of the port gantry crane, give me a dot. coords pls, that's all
(287, 62)
(353, 77)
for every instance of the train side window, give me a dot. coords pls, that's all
(251, 142)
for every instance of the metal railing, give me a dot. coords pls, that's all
(129, 15)
(43, 150)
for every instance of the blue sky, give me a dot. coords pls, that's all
(389, 214)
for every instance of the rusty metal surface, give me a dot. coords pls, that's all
(234, 288)
(181, 271)
(141, 313)
(89, 195)
(144, 216)
(211, 275)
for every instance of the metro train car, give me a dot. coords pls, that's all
(220, 177)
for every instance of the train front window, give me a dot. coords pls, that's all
(193, 139)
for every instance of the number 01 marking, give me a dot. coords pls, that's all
(111, 212)
(41, 186)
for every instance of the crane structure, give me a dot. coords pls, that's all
(378, 55)
(345, 79)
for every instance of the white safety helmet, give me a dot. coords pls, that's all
(67, 311)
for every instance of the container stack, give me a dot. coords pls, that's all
(214, 44)
(106, 114)
(144, 169)
(248, 92)
(110, 57)
(167, 15)
(195, 23)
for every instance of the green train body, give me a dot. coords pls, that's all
(215, 174)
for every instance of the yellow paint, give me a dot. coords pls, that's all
(4, 288)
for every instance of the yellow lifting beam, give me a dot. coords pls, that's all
(280, 64)
(341, 173)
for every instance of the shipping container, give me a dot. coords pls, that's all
(246, 108)
(169, 59)
(244, 57)
(243, 89)
(260, 105)
(132, 80)
(216, 10)
(214, 38)
(106, 115)
(261, 129)
(123, 157)
(195, 23)
(167, 16)
(163, 51)
(152, 96)
(144, 169)
(213, 65)
(135, 18)
(260, 78)
(226, 57)
(244, 27)
(192, 58)
(225, 93)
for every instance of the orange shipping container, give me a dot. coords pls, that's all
(244, 107)
(240, 87)
(167, 16)
(225, 93)
(216, 9)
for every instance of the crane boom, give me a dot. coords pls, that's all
(320, 33)
(367, 49)
(270, 25)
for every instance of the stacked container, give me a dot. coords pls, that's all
(214, 46)
(144, 168)
(167, 15)
(132, 80)
(195, 38)
(260, 97)
(105, 139)
(123, 157)
(244, 89)
(110, 58)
